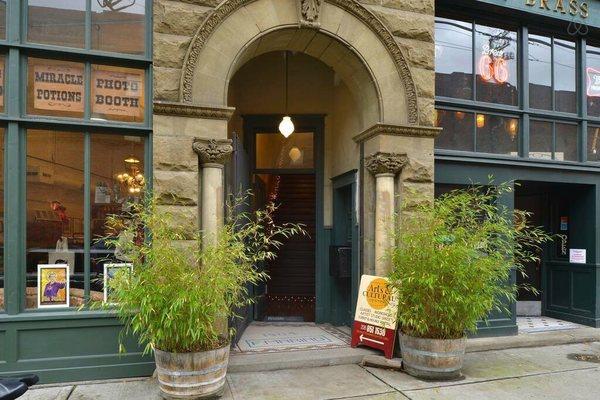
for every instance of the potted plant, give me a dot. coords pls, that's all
(452, 267)
(181, 292)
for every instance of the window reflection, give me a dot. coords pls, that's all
(453, 58)
(566, 142)
(496, 134)
(593, 80)
(120, 27)
(540, 140)
(565, 76)
(457, 133)
(593, 144)
(3, 19)
(496, 62)
(540, 72)
(117, 180)
(56, 22)
(55, 211)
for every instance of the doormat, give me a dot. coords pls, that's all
(272, 337)
(544, 324)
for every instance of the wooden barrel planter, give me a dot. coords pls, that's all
(435, 359)
(192, 375)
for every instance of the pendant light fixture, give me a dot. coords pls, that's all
(286, 126)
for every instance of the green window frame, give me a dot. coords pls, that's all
(16, 122)
(524, 112)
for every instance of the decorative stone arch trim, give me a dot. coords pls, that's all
(353, 7)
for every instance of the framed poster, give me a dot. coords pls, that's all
(110, 270)
(53, 286)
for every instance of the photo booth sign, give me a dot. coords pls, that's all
(375, 319)
(118, 93)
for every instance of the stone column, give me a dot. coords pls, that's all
(385, 167)
(213, 154)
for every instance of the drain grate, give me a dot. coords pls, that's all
(594, 358)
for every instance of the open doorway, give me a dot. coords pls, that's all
(564, 276)
(284, 171)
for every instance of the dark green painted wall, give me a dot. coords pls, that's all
(62, 347)
(570, 291)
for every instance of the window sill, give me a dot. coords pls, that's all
(453, 155)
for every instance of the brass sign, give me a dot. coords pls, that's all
(572, 7)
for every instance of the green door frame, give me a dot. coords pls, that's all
(467, 169)
(349, 181)
(308, 123)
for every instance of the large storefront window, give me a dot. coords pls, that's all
(118, 27)
(74, 144)
(453, 58)
(490, 118)
(55, 208)
(593, 81)
(494, 57)
(56, 22)
(117, 181)
(496, 61)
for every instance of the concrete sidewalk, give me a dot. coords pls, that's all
(528, 373)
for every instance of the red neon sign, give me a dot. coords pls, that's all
(495, 69)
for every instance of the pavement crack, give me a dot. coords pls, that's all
(70, 392)
(379, 379)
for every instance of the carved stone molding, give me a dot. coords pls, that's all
(397, 130)
(385, 163)
(192, 110)
(228, 7)
(310, 12)
(213, 151)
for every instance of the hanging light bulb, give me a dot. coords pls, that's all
(286, 126)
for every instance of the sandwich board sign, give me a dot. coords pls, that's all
(375, 319)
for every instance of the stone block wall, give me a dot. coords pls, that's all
(412, 23)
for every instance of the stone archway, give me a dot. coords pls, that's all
(235, 24)
(397, 96)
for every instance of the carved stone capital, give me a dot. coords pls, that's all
(310, 12)
(385, 163)
(213, 151)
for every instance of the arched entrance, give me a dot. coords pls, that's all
(348, 70)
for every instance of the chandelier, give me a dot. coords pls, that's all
(132, 180)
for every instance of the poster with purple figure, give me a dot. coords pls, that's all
(53, 285)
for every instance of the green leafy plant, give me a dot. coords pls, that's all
(182, 291)
(454, 257)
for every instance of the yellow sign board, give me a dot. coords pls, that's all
(377, 305)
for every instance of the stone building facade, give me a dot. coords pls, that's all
(383, 51)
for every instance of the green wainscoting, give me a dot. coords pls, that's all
(65, 347)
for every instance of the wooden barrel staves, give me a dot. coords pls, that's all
(192, 375)
(437, 359)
